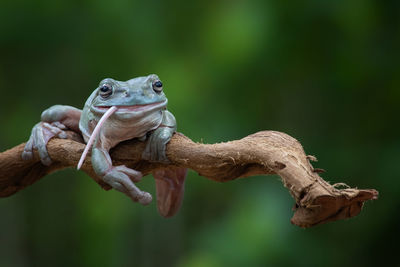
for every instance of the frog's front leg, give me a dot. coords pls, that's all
(54, 121)
(170, 181)
(156, 145)
(120, 178)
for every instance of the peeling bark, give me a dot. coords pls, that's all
(262, 153)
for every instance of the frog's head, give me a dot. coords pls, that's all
(135, 97)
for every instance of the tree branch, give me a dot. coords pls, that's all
(266, 152)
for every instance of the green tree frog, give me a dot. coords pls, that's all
(117, 111)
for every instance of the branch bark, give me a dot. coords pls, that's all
(262, 153)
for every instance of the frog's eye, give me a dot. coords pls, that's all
(157, 86)
(105, 90)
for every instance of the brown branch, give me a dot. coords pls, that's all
(266, 152)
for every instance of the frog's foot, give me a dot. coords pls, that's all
(135, 176)
(40, 136)
(121, 178)
(170, 186)
(155, 150)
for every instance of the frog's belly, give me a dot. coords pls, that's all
(116, 131)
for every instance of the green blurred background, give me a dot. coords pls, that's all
(325, 72)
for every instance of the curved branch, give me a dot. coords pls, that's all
(266, 152)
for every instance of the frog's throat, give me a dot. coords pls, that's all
(94, 134)
(139, 109)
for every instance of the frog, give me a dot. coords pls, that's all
(117, 111)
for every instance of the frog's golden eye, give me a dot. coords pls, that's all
(105, 90)
(157, 86)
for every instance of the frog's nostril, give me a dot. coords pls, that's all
(126, 93)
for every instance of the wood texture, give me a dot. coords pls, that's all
(262, 153)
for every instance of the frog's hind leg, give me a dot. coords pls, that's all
(120, 178)
(170, 186)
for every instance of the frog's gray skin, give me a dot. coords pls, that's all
(141, 113)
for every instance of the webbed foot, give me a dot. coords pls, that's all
(40, 136)
(122, 179)
(170, 186)
(155, 150)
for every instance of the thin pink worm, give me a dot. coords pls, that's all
(95, 132)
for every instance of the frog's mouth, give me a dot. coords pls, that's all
(95, 132)
(128, 108)
(124, 111)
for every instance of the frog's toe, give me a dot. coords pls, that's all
(134, 175)
(155, 151)
(162, 157)
(59, 125)
(62, 135)
(159, 154)
(44, 155)
(146, 153)
(119, 187)
(54, 129)
(145, 199)
(27, 154)
(58, 129)
(122, 182)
